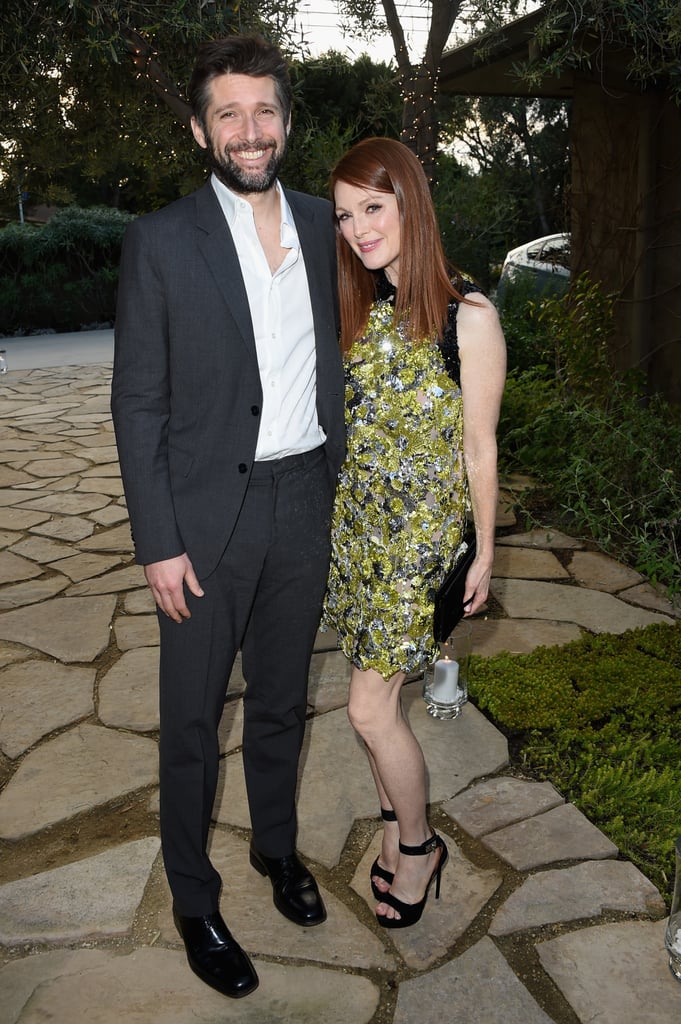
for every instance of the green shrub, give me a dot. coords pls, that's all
(62, 275)
(600, 719)
(605, 454)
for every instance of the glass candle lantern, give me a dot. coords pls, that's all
(445, 689)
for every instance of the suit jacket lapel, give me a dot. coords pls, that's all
(218, 249)
(317, 268)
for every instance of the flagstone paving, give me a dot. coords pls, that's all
(538, 920)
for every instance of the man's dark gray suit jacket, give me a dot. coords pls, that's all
(186, 392)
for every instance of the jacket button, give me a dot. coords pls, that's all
(255, 410)
(243, 468)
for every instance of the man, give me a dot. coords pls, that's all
(227, 399)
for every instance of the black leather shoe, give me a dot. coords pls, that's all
(294, 889)
(215, 956)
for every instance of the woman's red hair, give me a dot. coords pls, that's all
(424, 288)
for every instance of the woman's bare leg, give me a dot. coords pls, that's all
(396, 759)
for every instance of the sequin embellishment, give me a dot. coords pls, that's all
(401, 500)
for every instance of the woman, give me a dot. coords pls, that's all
(425, 366)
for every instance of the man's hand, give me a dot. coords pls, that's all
(166, 580)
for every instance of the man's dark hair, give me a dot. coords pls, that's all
(238, 55)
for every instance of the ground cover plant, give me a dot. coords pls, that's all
(600, 719)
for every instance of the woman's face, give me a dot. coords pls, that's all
(370, 223)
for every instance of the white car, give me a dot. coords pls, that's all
(542, 265)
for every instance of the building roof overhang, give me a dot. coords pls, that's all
(489, 65)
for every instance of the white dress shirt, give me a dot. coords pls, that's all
(281, 314)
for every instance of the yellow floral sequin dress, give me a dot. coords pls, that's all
(402, 498)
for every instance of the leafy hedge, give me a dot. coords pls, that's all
(601, 719)
(62, 275)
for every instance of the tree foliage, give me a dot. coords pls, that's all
(520, 148)
(97, 113)
(84, 79)
(418, 76)
(337, 103)
(576, 33)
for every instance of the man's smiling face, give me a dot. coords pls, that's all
(245, 134)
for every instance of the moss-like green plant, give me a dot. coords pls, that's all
(600, 718)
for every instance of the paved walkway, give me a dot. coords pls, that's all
(539, 920)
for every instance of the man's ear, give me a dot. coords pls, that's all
(198, 133)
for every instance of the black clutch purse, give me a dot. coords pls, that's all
(449, 606)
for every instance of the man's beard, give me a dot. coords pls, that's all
(240, 179)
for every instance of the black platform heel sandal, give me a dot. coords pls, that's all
(376, 869)
(410, 913)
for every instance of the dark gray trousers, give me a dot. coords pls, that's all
(264, 597)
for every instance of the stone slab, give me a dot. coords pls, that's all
(128, 693)
(20, 978)
(71, 903)
(329, 681)
(57, 466)
(648, 596)
(527, 564)
(14, 567)
(37, 697)
(16, 495)
(478, 987)
(8, 537)
(11, 655)
(542, 537)
(83, 768)
(69, 504)
(68, 528)
(342, 941)
(11, 476)
(129, 578)
(70, 629)
(596, 611)
(104, 472)
(519, 636)
(464, 892)
(613, 973)
(136, 631)
(102, 454)
(110, 516)
(150, 986)
(495, 803)
(560, 834)
(597, 571)
(581, 891)
(139, 602)
(103, 484)
(85, 566)
(116, 539)
(21, 594)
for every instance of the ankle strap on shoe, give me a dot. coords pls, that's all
(388, 815)
(429, 846)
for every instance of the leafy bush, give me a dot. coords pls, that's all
(606, 455)
(600, 719)
(61, 275)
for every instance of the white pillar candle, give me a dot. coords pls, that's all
(446, 681)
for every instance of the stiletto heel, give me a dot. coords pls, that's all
(376, 869)
(410, 913)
